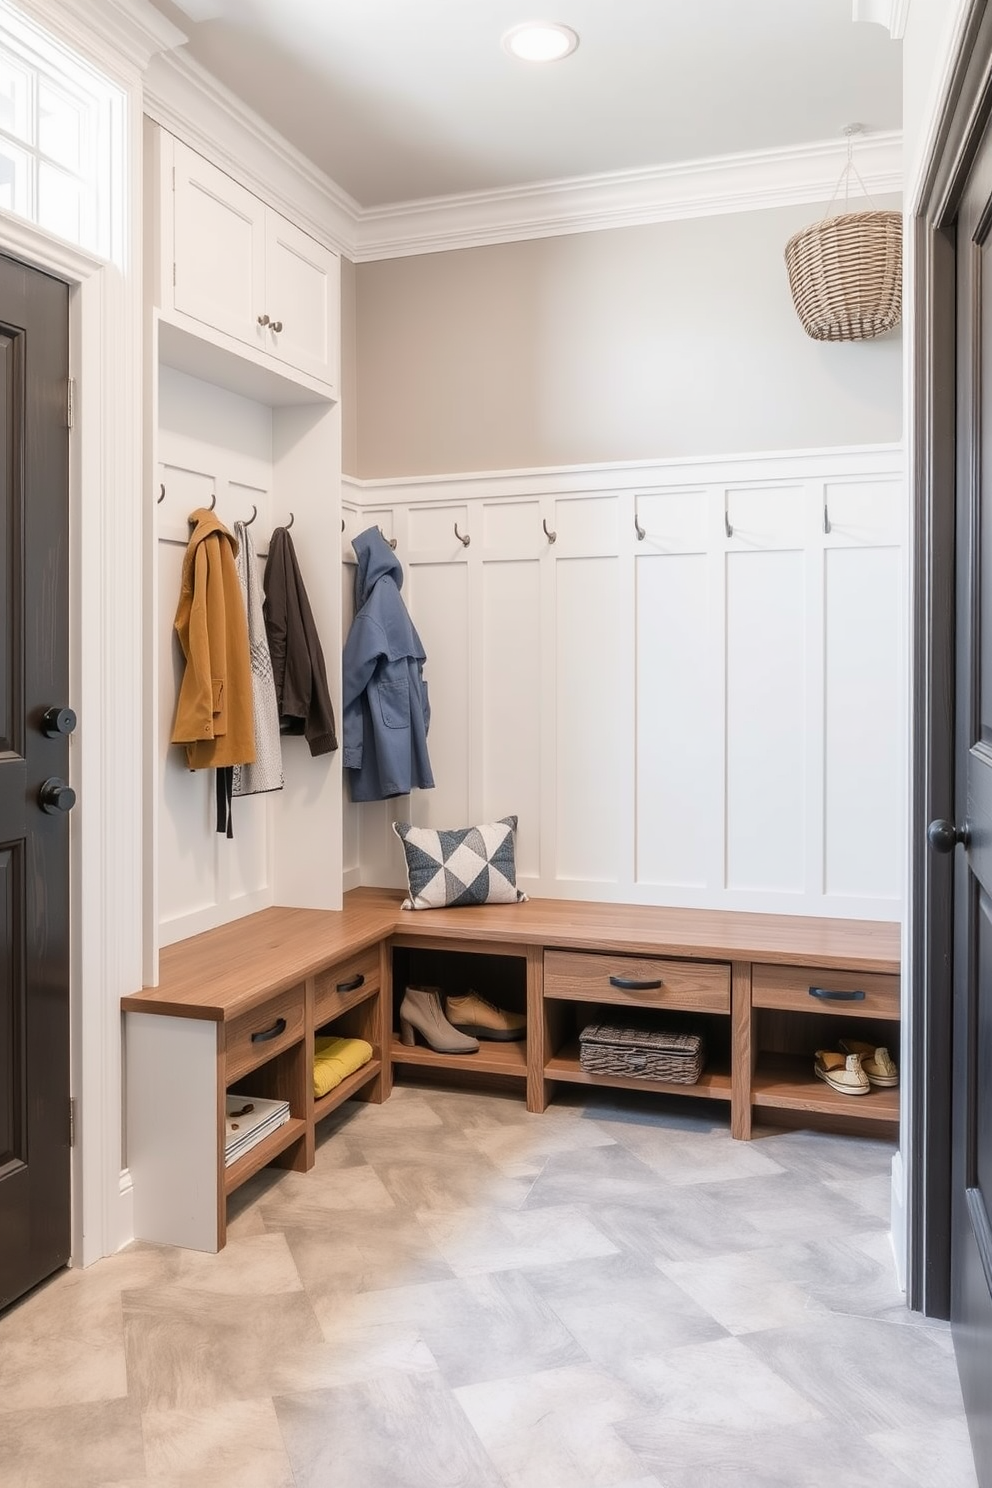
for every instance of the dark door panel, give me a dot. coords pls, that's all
(34, 845)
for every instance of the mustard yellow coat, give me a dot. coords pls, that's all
(214, 710)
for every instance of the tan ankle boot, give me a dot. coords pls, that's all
(421, 1010)
(474, 1015)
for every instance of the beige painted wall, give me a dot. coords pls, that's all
(633, 343)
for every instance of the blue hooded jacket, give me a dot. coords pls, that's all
(386, 711)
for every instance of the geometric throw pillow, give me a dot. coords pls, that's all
(470, 865)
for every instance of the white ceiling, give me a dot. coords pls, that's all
(402, 100)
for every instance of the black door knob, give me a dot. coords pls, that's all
(944, 836)
(55, 795)
(58, 721)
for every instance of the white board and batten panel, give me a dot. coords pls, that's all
(699, 679)
(765, 731)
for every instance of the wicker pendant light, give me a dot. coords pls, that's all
(845, 272)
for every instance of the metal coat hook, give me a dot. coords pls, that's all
(342, 524)
(551, 536)
(641, 531)
(727, 527)
(463, 540)
(161, 494)
(390, 540)
(254, 514)
(826, 518)
(292, 519)
(213, 502)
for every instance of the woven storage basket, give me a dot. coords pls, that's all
(640, 1050)
(845, 274)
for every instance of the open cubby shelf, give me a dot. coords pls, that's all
(491, 1058)
(714, 1082)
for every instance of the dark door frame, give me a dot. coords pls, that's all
(932, 451)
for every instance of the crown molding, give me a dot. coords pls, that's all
(892, 14)
(107, 31)
(190, 103)
(698, 188)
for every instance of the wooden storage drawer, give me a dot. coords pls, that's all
(255, 1037)
(342, 986)
(815, 989)
(637, 981)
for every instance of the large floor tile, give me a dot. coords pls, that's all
(186, 1350)
(483, 1328)
(685, 1454)
(397, 1431)
(364, 1252)
(621, 1309)
(867, 1375)
(474, 1242)
(937, 1455)
(556, 1429)
(745, 1291)
(86, 1446)
(229, 1444)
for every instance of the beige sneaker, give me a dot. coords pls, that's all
(842, 1072)
(877, 1063)
(472, 1014)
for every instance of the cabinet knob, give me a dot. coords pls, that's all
(263, 320)
(55, 795)
(275, 325)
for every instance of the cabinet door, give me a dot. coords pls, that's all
(219, 249)
(302, 289)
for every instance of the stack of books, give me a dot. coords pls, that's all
(250, 1118)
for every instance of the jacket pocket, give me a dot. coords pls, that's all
(394, 704)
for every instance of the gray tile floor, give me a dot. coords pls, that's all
(610, 1295)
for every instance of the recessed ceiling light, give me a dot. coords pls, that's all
(540, 41)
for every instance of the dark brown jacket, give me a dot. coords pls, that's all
(302, 692)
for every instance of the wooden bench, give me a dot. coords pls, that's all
(238, 1008)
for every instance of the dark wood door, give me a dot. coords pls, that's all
(34, 842)
(971, 1124)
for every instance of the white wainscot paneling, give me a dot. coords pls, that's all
(766, 722)
(586, 524)
(864, 511)
(512, 527)
(672, 520)
(431, 529)
(763, 517)
(438, 604)
(510, 686)
(678, 724)
(862, 718)
(592, 720)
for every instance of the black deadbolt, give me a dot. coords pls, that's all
(58, 721)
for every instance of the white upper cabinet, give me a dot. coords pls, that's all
(302, 287)
(242, 269)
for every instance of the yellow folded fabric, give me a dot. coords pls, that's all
(336, 1058)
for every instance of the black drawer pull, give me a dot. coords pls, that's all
(349, 986)
(632, 984)
(278, 1027)
(827, 995)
